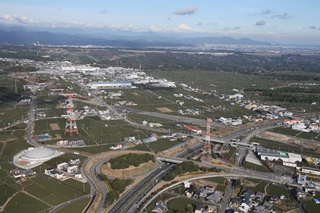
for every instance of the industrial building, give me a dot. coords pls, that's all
(309, 170)
(110, 85)
(271, 154)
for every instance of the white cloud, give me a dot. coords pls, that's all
(182, 28)
(186, 11)
(156, 29)
(15, 19)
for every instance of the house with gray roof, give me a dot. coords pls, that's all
(159, 207)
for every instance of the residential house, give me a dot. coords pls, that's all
(74, 161)
(229, 211)
(258, 199)
(78, 176)
(215, 197)
(62, 166)
(160, 207)
(198, 209)
(16, 173)
(245, 204)
(186, 184)
(48, 170)
(210, 209)
(72, 169)
(235, 201)
(299, 193)
(260, 208)
(291, 122)
(209, 189)
(273, 199)
(248, 193)
(202, 192)
(188, 192)
(268, 206)
(300, 127)
(28, 172)
(116, 146)
(310, 189)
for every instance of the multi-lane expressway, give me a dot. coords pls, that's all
(98, 189)
(132, 199)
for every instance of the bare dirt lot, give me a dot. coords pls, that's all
(58, 136)
(54, 126)
(164, 109)
(289, 139)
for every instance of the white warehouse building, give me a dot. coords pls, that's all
(110, 85)
(271, 154)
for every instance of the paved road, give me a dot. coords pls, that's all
(125, 199)
(227, 195)
(126, 203)
(31, 120)
(176, 118)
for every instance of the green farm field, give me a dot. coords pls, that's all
(54, 191)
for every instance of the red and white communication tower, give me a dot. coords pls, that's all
(206, 155)
(71, 125)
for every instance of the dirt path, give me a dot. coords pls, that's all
(265, 189)
(35, 197)
(289, 139)
(8, 200)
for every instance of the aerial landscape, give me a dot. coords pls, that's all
(166, 107)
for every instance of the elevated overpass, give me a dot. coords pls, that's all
(170, 160)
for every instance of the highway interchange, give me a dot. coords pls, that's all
(131, 199)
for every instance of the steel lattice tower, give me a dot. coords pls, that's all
(71, 125)
(207, 155)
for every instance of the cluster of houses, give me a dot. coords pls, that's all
(19, 174)
(125, 103)
(116, 146)
(231, 121)
(25, 99)
(305, 125)
(269, 112)
(189, 111)
(66, 170)
(71, 143)
(250, 201)
(206, 193)
(192, 129)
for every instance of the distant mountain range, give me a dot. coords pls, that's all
(20, 35)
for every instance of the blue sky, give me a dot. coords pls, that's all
(282, 21)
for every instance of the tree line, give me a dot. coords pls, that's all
(125, 161)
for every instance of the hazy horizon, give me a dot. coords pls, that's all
(284, 22)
